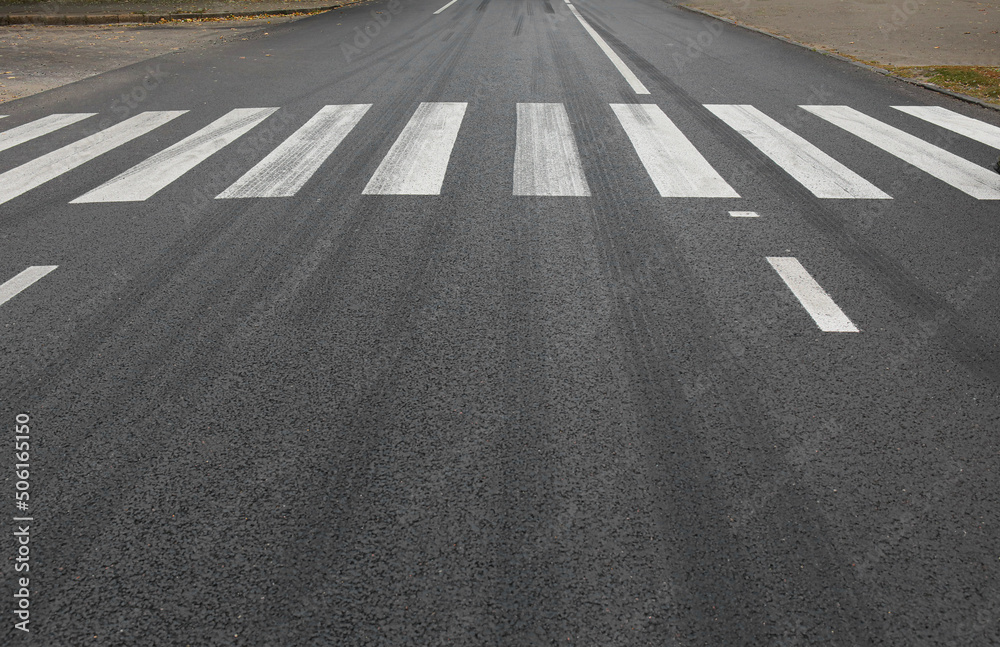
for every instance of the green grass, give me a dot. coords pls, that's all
(980, 82)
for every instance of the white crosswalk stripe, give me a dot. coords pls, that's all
(418, 160)
(11, 288)
(283, 172)
(676, 167)
(145, 179)
(39, 127)
(824, 176)
(546, 159)
(966, 126)
(974, 180)
(47, 167)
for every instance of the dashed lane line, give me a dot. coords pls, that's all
(824, 311)
(22, 281)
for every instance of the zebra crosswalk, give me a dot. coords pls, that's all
(547, 159)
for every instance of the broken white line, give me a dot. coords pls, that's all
(827, 314)
(445, 7)
(22, 281)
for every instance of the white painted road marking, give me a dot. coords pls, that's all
(827, 315)
(546, 160)
(39, 171)
(39, 127)
(967, 126)
(632, 79)
(289, 166)
(824, 176)
(146, 178)
(24, 280)
(676, 167)
(976, 181)
(445, 7)
(744, 214)
(418, 160)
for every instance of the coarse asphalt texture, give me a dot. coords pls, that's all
(476, 418)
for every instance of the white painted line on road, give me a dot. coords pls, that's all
(418, 160)
(967, 126)
(445, 7)
(676, 167)
(972, 179)
(146, 178)
(744, 214)
(824, 176)
(289, 166)
(44, 126)
(827, 315)
(24, 280)
(39, 171)
(632, 79)
(546, 160)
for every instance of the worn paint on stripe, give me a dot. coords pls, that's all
(676, 167)
(146, 178)
(418, 160)
(616, 60)
(824, 311)
(22, 281)
(965, 126)
(445, 7)
(289, 166)
(546, 159)
(824, 176)
(39, 171)
(972, 179)
(39, 127)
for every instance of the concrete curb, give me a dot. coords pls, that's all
(871, 68)
(109, 19)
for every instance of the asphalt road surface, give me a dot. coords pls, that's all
(514, 322)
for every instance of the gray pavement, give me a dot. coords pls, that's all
(459, 415)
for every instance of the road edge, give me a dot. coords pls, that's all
(871, 68)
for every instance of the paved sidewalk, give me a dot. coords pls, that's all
(80, 12)
(888, 32)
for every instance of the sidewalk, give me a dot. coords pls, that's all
(82, 12)
(949, 44)
(889, 32)
(38, 57)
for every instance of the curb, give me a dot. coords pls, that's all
(109, 19)
(870, 68)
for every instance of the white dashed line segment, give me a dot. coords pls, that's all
(824, 311)
(22, 281)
